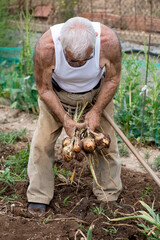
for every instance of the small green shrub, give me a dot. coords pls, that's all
(147, 155)
(157, 163)
(11, 137)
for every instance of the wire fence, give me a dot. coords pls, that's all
(133, 20)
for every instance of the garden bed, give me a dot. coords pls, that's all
(74, 207)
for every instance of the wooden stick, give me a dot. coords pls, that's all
(132, 148)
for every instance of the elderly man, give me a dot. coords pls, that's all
(70, 61)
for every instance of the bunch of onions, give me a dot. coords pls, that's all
(77, 146)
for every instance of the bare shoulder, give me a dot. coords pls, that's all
(44, 50)
(110, 44)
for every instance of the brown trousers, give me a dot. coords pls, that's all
(41, 160)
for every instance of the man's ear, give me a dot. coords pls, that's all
(59, 38)
(96, 34)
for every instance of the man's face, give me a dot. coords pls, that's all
(90, 52)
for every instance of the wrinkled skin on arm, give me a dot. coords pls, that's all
(110, 57)
(44, 62)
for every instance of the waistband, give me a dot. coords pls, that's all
(58, 88)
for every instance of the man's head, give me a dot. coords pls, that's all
(78, 38)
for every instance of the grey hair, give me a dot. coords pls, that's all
(76, 35)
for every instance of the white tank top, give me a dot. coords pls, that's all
(76, 79)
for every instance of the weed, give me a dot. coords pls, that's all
(6, 176)
(147, 155)
(123, 150)
(61, 171)
(98, 210)
(111, 230)
(10, 199)
(3, 190)
(47, 219)
(18, 164)
(65, 201)
(88, 231)
(156, 164)
(146, 193)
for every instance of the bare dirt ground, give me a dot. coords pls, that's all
(67, 220)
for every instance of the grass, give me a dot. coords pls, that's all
(14, 168)
(11, 137)
(18, 163)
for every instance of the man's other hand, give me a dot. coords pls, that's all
(92, 119)
(70, 125)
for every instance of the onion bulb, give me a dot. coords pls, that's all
(89, 144)
(77, 146)
(102, 140)
(66, 141)
(68, 153)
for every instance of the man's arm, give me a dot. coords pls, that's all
(110, 57)
(44, 64)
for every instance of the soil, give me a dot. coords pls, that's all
(72, 210)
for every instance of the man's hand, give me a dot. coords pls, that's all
(92, 119)
(70, 125)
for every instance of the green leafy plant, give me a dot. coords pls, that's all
(17, 83)
(19, 162)
(129, 99)
(20, 90)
